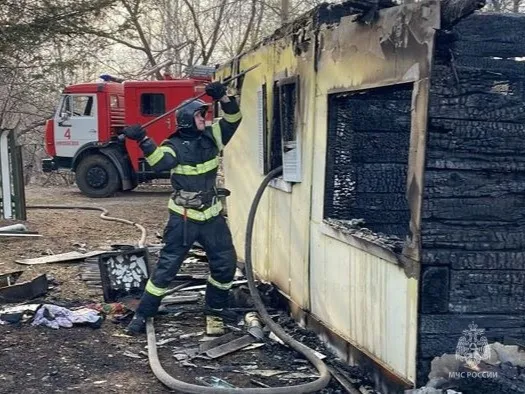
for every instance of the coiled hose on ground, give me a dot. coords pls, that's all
(184, 387)
(103, 216)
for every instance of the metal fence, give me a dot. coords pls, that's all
(12, 192)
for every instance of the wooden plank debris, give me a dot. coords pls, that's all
(344, 381)
(216, 342)
(230, 347)
(180, 299)
(60, 258)
(202, 287)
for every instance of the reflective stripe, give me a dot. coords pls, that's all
(155, 157)
(199, 169)
(232, 118)
(217, 135)
(222, 286)
(167, 149)
(154, 290)
(200, 216)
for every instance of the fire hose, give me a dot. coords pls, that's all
(103, 215)
(184, 387)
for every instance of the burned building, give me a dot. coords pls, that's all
(472, 222)
(397, 221)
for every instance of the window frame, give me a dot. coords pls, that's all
(289, 175)
(328, 228)
(271, 134)
(69, 106)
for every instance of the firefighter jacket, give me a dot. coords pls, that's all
(193, 159)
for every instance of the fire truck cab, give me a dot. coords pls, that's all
(83, 135)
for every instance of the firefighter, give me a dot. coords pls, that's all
(192, 156)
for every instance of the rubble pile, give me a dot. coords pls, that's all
(248, 354)
(357, 228)
(500, 369)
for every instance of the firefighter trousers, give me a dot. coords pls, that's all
(215, 237)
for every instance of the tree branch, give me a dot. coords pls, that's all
(146, 47)
(214, 37)
(197, 27)
(248, 28)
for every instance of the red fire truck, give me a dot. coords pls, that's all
(83, 136)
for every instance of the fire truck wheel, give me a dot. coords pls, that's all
(96, 176)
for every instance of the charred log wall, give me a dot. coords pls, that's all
(473, 225)
(367, 158)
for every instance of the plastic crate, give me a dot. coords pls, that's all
(124, 273)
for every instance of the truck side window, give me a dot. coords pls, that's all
(152, 104)
(66, 106)
(113, 101)
(82, 105)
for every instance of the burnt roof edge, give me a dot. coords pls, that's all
(323, 14)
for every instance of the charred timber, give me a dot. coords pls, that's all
(452, 11)
(473, 216)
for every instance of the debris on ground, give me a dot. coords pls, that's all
(127, 353)
(180, 299)
(60, 258)
(17, 230)
(502, 368)
(85, 360)
(9, 278)
(123, 273)
(17, 314)
(14, 291)
(212, 381)
(111, 309)
(254, 325)
(230, 347)
(193, 268)
(54, 316)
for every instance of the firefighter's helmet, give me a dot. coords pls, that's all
(186, 113)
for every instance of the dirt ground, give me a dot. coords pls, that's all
(36, 359)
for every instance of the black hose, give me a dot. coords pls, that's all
(324, 379)
(310, 387)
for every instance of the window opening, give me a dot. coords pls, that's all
(152, 104)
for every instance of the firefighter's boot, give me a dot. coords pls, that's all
(216, 319)
(214, 325)
(225, 314)
(137, 326)
(148, 307)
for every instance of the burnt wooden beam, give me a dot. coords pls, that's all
(452, 11)
(476, 260)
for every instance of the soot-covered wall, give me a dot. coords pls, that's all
(367, 158)
(473, 219)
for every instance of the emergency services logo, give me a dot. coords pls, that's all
(473, 346)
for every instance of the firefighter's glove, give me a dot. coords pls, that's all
(135, 132)
(215, 90)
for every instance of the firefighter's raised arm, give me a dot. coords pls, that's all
(224, 129)
(160, 158)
